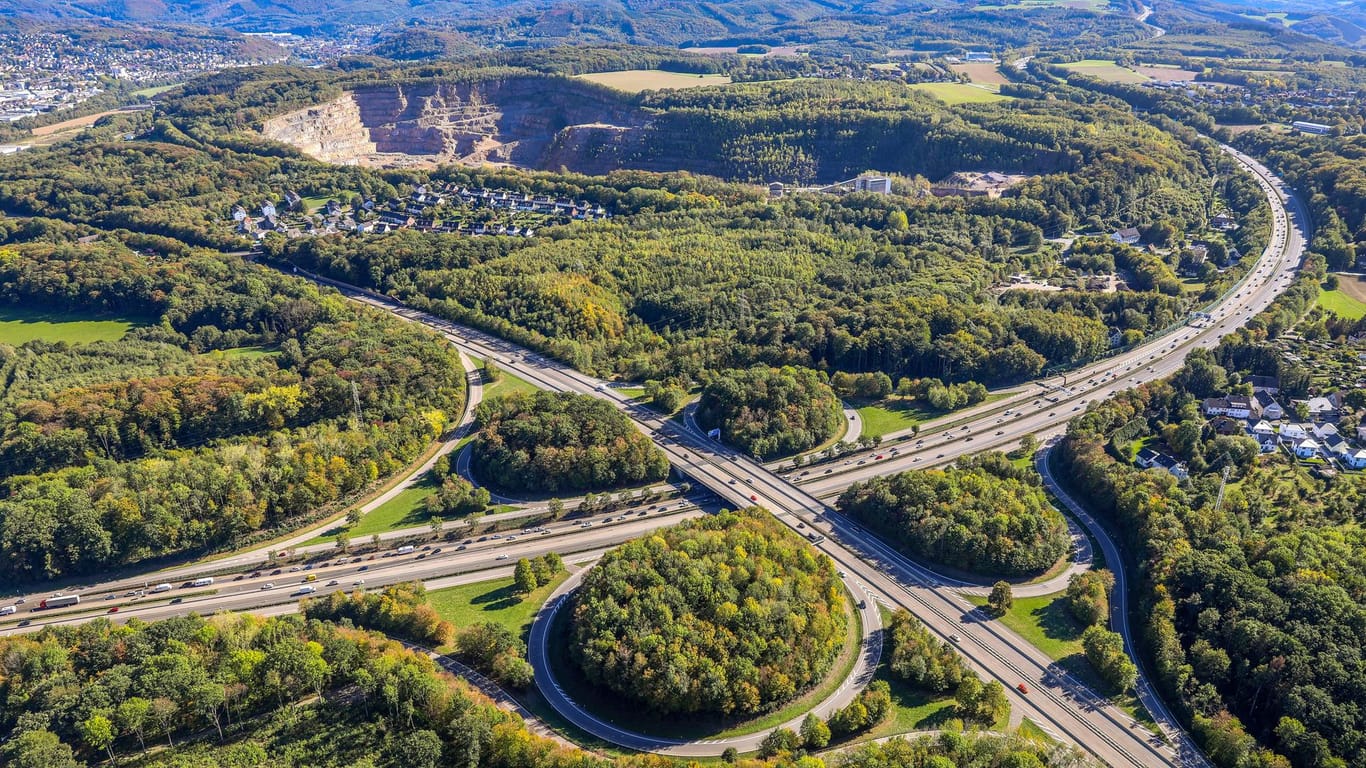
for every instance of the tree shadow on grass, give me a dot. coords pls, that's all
(498, 599)
(1056, 622)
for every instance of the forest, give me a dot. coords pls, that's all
(1251, 599)
(985, 515)
(730, 613)
(550, 442)
(770, 413)
(229, 409)
(239, 691)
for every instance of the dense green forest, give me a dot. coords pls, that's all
(985, 516)
(237, 691)
(769, 412)
(731, 613)
(1252, 604)
(171, 439)
(551, 442)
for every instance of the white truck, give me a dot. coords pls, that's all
(406, 549)
(305, 590)
(158, 589)
(204, 582)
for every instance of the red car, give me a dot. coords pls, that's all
(752, 497)
(1022, 688)
(115, 609)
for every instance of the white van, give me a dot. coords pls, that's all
(159, 588)
(204, 582)
(308, 590)
(8, 609)
(406, 549)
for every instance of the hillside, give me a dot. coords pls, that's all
(839, 23)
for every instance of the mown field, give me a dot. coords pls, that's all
(18, 326)
(960, 93)
(1107, 70)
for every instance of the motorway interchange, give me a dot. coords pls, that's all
(1064, 707)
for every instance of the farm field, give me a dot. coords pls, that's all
(960, 93)
(636, 80)
(1348, 300)
(983, 72)
(1107, 70)
(1162, 72)
(18, 326)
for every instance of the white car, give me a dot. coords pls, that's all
(501, 557)
(268, 585)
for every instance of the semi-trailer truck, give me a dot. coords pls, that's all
(60, 602)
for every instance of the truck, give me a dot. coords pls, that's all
(406, 549)
(60, 601)
(204, 582)
(306, 590)
(158, 589)
(6, 610)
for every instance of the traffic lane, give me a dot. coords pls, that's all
(222, 570)
(248, 592)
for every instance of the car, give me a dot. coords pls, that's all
(333, 583)
(862, 604)
(363, 568)
(422, 556)
(801, 525)
(268, 585)
(954, 638)
(115, 609)
(514, 538)
(238, 577)
(503, 556)
(878, 457)
(641, 513)
(1000, 431)
(308, 567)
(276, 572)
(753, 497)
(732, 481)
(1022, 688)
(462, 548)
(295, 569)
(436, 551)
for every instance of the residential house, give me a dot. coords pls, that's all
(1323, 409)
(1224, 222)
(1226, 425)
(1127, 236)
(1307, 448)
(293, 201)
(1356, 460)
(1268, 383)
(1151, 459)
(1292, 432)
(1266, 403)
(268, 209)
(1361, 431)
(1237, 406)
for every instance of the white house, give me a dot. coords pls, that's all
(1237, 406)
(1307, 448)
(1356, 460)
(1128, 236)
(1262, 429)
(1293, 432)
(1268, 406)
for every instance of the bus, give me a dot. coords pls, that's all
(60, 602)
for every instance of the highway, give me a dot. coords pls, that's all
(1063, 706)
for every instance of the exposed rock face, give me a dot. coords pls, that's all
(333, 132)
(530, 122)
